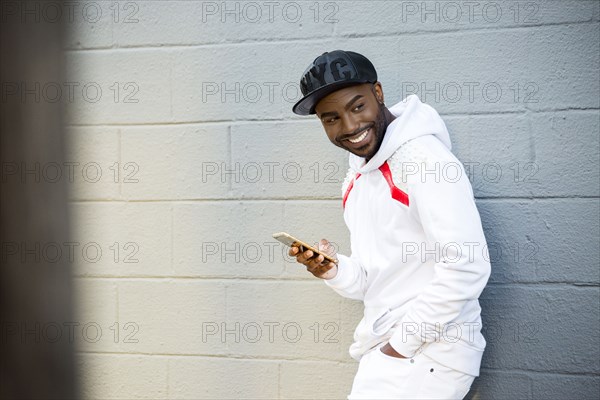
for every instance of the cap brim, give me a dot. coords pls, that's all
(307, 104)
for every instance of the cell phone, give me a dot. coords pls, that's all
(289, 240)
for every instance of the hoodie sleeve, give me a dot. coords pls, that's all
(351, 278)
(446, 208)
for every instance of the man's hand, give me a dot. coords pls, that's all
(316, 265)
(389, 351)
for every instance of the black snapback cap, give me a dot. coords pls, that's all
(329, 72)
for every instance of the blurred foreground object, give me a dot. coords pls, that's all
(36, 359)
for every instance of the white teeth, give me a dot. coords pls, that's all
(360, 138)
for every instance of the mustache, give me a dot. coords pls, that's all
(356, 132)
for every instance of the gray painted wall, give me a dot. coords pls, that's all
(222, 163)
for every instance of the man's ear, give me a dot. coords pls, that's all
(378, 92)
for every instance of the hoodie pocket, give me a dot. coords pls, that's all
(382, 322)
(370, 326)
(386, 320)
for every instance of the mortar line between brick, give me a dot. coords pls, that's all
(562, 284)
(538, 372)
(279, 280)
(304, 200)
(169, 378)
(274, 279)
(531, 137)
(530, 389)
(254, 41)
(220, 356)
(462, 31)
(216, 200)
(327, 360)
(225, 311)
(119, 151)
(279, 380)
(172, 250)
(117, 303)
(230, 154)
(304, 120)
(171, 85)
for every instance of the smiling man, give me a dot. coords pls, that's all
(419, 260)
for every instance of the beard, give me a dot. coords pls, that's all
(380, 128)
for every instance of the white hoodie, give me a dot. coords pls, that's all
(419, 256)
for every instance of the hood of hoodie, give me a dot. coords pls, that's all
(413, 119)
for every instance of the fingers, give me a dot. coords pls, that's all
(319, 270)
(293, 251)
(314, 263)
(326, 247)
(300, 257)
(308, 258)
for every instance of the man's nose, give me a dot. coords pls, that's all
(349, 124)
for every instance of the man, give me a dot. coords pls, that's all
(418, 249)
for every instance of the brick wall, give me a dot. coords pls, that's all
(189, 158)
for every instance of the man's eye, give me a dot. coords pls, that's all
(359, 107)
(330, 120)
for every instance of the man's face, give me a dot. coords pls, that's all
(354, 118)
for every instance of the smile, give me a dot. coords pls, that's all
(360, 138)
